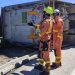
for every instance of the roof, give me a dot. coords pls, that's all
(63, 2)
(35, 2)
(24, 4)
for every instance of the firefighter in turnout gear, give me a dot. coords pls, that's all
(57, 38)
(45, 41)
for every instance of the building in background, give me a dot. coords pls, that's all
(0, 26)
(71, 15)
(16, 18)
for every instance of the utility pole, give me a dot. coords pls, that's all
(53, 4)
(49, 2)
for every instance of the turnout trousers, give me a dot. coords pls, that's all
(44, 53)
(57, 44)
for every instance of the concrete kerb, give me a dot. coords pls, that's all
(11, 64)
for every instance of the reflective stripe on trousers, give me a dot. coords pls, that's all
(57, 43)
(44, 55)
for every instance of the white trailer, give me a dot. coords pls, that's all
(15, 20)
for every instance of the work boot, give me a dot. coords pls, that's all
(44, 73)
(55, 65)
(39, 67)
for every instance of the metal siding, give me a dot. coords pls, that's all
(66, 25)
(21, 34)
(16, 31)
(7, 26)
(7, 32)
(7, 18)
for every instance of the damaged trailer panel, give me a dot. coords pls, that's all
(16, 19)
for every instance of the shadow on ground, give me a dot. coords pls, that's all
(15, 52)
(28, 69)
(68, 47)
(12, 52)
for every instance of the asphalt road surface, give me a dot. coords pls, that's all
(67, 68)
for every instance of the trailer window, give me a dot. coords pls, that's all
(24, 17)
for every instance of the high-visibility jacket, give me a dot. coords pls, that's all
(45, 29)
(58, 28)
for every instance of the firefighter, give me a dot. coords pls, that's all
(57, 38)
(45, 40)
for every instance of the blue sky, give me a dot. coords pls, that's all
(13, 2)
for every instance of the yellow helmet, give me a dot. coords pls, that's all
(48, 10)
